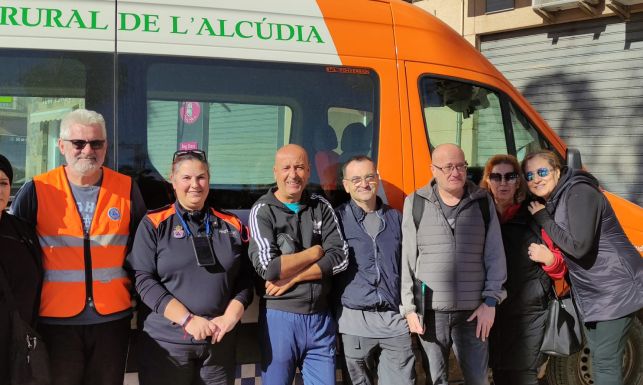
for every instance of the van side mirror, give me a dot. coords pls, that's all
(573, 159)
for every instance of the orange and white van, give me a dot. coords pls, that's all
(240, 79)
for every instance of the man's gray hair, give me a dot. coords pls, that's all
(84, 117)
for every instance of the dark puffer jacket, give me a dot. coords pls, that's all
(605, 269)
(519, 326)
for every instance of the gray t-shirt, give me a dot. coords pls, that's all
(372, 224)
(448, 211)
(86, 198)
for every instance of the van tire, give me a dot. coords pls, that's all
(577, 369)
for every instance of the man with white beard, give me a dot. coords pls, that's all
(86, 216)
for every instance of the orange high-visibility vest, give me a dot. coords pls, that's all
(63, 242)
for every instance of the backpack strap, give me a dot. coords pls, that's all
(418, 209)
(484, 208)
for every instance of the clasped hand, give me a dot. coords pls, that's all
(200, 328)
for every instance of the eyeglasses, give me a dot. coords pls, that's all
(199, 154)
(357, 180)
(448, 169)
(80, 144)
(510, 177)
(542, 172)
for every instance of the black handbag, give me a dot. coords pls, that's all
(29, 362)
(563, 333)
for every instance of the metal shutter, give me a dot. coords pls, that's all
(586, 79)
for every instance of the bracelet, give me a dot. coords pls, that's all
(186, 319)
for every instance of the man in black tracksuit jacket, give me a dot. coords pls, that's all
(296, 247)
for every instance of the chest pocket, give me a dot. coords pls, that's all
(227, 247)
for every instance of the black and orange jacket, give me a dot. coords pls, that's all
(165, 267)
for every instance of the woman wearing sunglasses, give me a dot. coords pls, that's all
(192, 271)
(605, 270)
(519, 326)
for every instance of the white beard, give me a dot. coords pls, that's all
(84, 166)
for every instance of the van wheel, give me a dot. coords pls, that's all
(577, 369)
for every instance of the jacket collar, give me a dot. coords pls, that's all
(568, 178)
(359, 213)
(271, 199)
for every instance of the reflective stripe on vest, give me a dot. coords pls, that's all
(71, 241)
(61, 236)
(102, 275)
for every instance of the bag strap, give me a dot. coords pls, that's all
(486, 215)
(418, 209)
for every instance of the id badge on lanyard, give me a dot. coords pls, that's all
(201, 244)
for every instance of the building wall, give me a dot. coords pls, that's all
(470, 19)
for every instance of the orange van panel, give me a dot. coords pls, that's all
(360, 28)
(368, 42)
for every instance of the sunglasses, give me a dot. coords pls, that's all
(80, 144)
(542, 172)
(199, 154)
(510, 177)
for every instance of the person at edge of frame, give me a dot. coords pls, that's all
(21, 264)
(605, 269)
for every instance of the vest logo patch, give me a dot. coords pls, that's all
(178, 232)
(317, 227)
(114, 214)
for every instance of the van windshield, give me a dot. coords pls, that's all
(240, 113)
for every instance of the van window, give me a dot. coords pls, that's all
(240, 113)
(525, 134)
(465, 114)
(482, 121)
(221, 129)
(36, 90)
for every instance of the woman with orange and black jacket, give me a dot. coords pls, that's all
(192, 271)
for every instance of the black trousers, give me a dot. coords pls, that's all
(166, 363)
(87, 354)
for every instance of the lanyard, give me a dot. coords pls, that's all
(206, 218)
